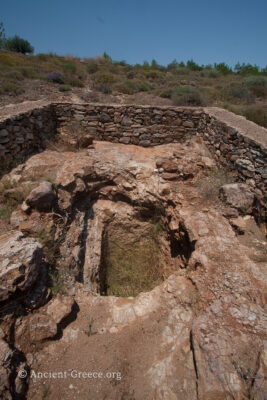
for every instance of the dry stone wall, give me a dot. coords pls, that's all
(27, 133)
(144, 126)
(232, 148)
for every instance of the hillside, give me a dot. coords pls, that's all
(101, 79)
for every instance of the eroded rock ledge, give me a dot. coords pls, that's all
(196, 332)
(235, 142)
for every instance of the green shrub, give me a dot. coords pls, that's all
(173, 66)
(254, 113)
(223, 68)
(145, 87)
(69, 68)
(246, 69)
(7, 60)
(259, 91)
(182, 71)
(128, 87)
(19, 45)
(28, 72)
(166, 93)
(104, 88)
(11, 88)
(14, 75)
(187, 97)
(154, 75)
(105, 79)
(193, 66)
(238, 93)
(92, 68)
(64, 88)
(73, 81)
(256, 81)
(257, 85)
(42, 57)
(257, 114)
(12, 194)
(57, 281)
(210, 73)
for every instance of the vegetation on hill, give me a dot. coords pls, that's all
(242, 89)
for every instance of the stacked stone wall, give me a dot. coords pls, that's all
(25, 134)
(28, 133)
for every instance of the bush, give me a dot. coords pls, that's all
(182, 71)
(187, 97)
(166, 93)
(19, 45)
(211, 181)
(42, 57)
(145, 87)
(257, 114)
(92, 68)
(240, 93)
(128, 87)
(55, 77)
(104, 88)
(13, 75)
(210, 73)
(7, 60)
(172, 66)
(11, 88)
(69, 68)
(259, 91)
(223, 68)
(154, 75)
(76, 82)
(245, 69)
(105, 79)
(193, 66)
(256, 81)
(28, 72)
(64, 88)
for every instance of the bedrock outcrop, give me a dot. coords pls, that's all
(197, 333)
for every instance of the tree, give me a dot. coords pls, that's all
(19, 45)
(2, 35)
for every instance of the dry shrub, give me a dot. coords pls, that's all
(210, 182)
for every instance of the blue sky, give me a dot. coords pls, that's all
(137, 30)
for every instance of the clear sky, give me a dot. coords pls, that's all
(136, 30)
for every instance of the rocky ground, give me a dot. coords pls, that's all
(199, 333)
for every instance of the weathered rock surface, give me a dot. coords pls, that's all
(198, 335)
(238, 195)
(41, 197)
(59, 308)
(42, 327)
(20, 260)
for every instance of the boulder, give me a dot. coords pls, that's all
(20, 260)
(5, 351)
(238, 195)
(169, 166)
(85, 141)
(60, 307)
(41, 197)
(42, 327)
(17, 217)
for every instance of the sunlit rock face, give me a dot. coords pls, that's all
(145, 274)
